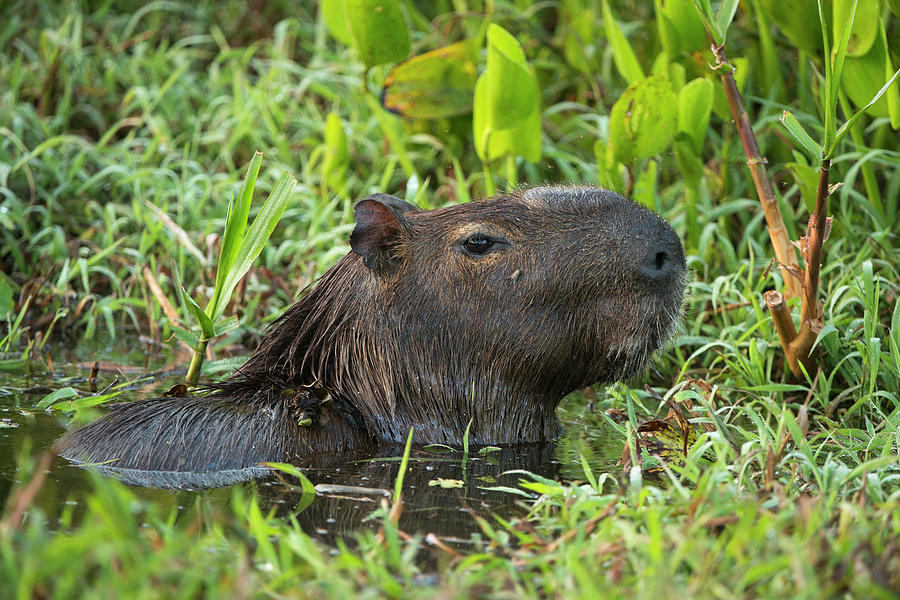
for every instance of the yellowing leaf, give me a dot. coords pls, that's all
(437, 84)
(865, 24)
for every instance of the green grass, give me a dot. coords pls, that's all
(791, 489)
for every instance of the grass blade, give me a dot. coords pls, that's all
(794, 127)
(846, 126)
(623, 55)
(235, 225)
(837, 68)
(256, 238)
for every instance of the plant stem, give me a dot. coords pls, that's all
(797, 346)
(815, 233)
(690, 211)
(196, 362)
(781, 243)
(511, 174)
(489, 187)
(781, 316)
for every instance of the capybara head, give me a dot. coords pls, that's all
(487, 312)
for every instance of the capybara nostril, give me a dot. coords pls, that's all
(659, 264)
(663, 258)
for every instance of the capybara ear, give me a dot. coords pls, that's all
(379, 223)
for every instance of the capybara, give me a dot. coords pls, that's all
(481, 316)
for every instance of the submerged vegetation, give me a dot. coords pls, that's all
(125, 127)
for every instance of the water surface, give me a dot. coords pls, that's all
(444, 489)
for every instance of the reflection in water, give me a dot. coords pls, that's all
(443, 490)
(441, 493)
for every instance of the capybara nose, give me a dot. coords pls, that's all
(664, 259)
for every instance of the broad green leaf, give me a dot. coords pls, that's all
(225, 325)
(623, 55)
(57, 395)
(523, 140)
(206, 324)
(813, 150)
(708, 18)
(235, 225)
(434, 85)
(724, 16)
(799, 21)
(865, 24)
(257, 235)
(673, 71)
(379, 31)
(695, 102)
(511, 86)
(644, 120)
(337, 153)
(183, 335)
(221, 366)
(86, 402)
(333, 12)
(864, 76)
(506, 116)
(680, 28)
(541, 488)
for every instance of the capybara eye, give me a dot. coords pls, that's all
(478, 244)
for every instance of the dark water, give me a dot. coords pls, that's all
(350, 488)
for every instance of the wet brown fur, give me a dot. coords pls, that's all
(410, 330)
